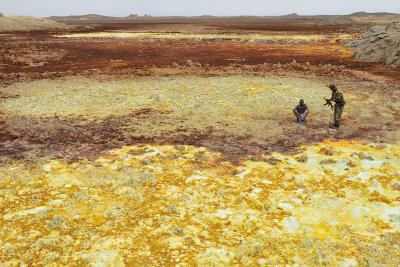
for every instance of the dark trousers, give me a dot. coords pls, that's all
(337, 115)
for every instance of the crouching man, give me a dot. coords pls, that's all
(301, 111)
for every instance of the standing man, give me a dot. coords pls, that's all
(301, 111)
(338, 98)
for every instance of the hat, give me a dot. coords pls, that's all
(331, 86)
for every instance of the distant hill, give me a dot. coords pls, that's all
(24, 23)
(88, 17)
(132, 16)
(337, 20)
(100, 18)
(96, 18)
(352, 18)
(379, 18)
(365, 14)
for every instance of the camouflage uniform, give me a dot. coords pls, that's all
(339, 105)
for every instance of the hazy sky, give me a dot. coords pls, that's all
(44, 8)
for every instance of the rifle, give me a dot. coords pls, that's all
(328, 103)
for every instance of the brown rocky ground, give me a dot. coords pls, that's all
(41, 52)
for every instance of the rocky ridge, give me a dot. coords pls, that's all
(379, 44)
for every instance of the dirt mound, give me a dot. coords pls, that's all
(132, 16)
(23, 23)
(335, 21)
(379, 44)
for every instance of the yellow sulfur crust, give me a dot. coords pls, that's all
(163, 205)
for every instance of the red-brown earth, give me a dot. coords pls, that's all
(35, 55)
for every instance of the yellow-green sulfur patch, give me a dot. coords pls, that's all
(240, 37)
(168, 205)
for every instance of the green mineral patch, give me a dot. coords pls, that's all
(253, 107)
(237, 37)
